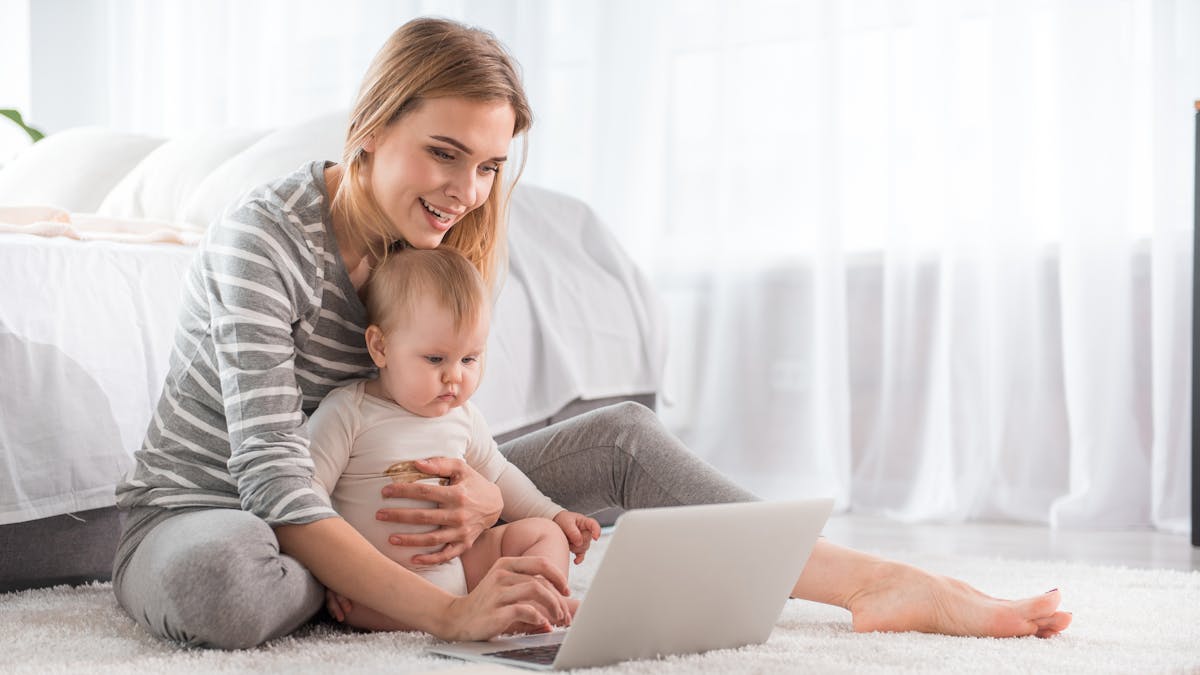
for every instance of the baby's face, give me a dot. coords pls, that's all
(429, 367)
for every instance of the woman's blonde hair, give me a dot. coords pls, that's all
(408, 274)
(426, 59)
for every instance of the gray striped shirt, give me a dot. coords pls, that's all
(269, 324)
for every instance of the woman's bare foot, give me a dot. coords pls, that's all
(883, 595)
(900, 597)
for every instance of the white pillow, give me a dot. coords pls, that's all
(159, 187)
(273, 156)
(73, 169)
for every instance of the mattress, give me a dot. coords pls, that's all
(85, 333)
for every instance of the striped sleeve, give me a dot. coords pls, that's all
(259, 280)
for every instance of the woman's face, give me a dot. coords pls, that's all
(437, 163)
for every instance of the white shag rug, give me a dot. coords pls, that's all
(1125, 621)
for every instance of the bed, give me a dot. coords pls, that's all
(85, 324)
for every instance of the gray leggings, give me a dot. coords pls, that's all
(216, 578)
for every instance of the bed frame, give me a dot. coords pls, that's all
(78, 548)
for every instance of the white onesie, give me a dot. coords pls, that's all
(354, 437)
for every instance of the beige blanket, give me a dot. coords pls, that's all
(48, 221)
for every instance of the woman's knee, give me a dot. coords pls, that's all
(631, 414)
(641, 435)
(212, 598)
(224, 588)
(654, 468)
(633, 426)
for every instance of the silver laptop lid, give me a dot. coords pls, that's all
(680, 580)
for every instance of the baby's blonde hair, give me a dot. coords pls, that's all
(408, 274)
(424, 59)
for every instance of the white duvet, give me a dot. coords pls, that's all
(85, 328)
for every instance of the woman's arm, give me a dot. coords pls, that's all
(260, 276)
(517, 595)
(340, 558)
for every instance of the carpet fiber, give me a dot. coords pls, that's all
(1124, 621)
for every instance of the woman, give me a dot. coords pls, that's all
(226, 544)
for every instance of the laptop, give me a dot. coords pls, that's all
(675, 580)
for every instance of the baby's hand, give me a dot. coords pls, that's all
(581, 531)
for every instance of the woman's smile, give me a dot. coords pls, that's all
(440, 219)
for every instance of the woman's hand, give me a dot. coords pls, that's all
(510, 580)
(517, 595)
(467, 506)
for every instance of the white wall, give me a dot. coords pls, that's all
(14, 72)
(68, 63)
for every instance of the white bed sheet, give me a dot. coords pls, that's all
(84, 337)
(85, 333)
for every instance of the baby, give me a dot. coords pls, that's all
(429, 313)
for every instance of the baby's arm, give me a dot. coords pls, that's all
(331, 431)
(522, 499)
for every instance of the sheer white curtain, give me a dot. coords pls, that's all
(932, 257)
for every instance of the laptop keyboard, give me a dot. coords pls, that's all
(540, 655)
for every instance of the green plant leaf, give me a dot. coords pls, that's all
(19, 121)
